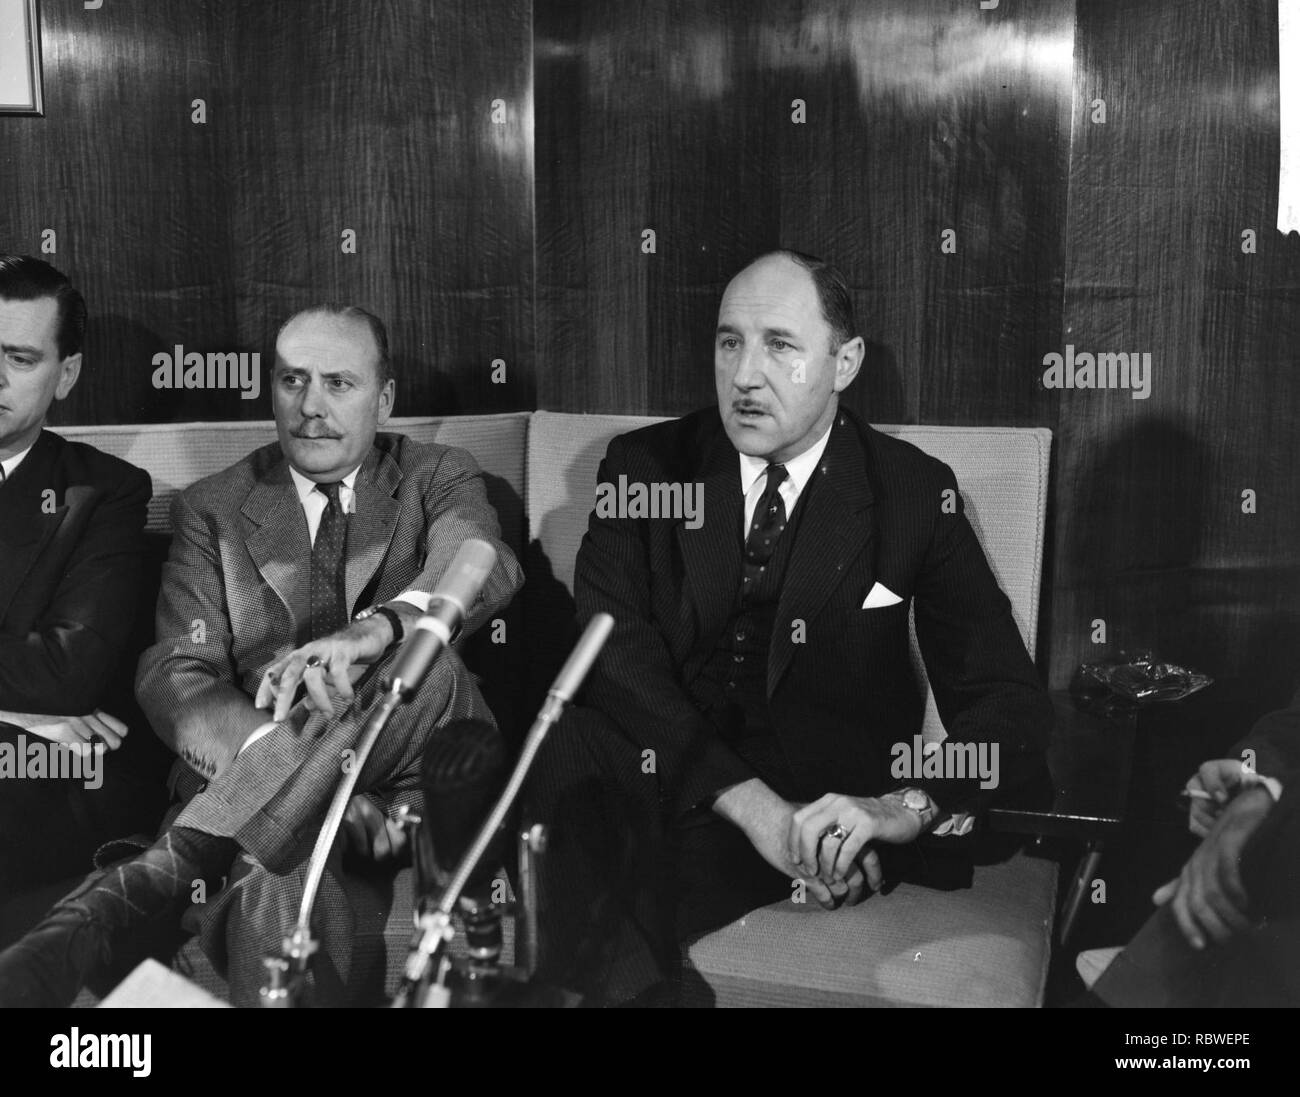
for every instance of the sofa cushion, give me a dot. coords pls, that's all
(987, 945)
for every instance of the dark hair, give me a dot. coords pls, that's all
(832, 292)
(353, 312)
(25, 278)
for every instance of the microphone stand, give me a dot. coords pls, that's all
(428, 958)
(286, 973)
(460, 585)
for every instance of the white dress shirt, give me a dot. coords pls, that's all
(799, 470)
(10, 463)
(314, 503)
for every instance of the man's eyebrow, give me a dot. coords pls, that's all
(781, 333)
(726, 329)
(329, 375)
(14, 348)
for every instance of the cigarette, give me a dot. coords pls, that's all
(1196, 794)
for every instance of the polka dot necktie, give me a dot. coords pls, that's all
(767, 526)
(329, 609)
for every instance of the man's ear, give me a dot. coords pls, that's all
(848, 361)
(387, 397)
(69, 371)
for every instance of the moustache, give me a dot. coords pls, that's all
(315, 435)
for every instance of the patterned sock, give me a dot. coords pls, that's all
(160, 881)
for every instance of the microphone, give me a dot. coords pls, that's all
(448, 607)
(433, 927)
(463, 772)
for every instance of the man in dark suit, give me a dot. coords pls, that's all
(742, 725)
(71, 544)
(1227, 931)
(302, 565)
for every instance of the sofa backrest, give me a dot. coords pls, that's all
(1002, 472)
(541, 470)
(178, 454)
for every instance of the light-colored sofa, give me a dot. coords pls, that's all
(988, 945)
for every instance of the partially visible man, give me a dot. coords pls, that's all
(1228, 929)
(301, 566)
(741, 723)
(71, 549)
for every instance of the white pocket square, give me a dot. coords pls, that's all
(880, 596)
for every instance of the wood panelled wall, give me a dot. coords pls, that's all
(678, 116)
(1150, 530)
(321, 117)
(1122, 235)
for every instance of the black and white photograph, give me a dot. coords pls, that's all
(651, 504)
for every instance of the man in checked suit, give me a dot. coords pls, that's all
(736, 743)
(302, 565)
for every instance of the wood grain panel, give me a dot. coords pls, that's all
(379, 118)
(1151, 536)
(679, 116)
(321, 117)
(132, 189)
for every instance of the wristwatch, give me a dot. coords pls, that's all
(917, 800)
(394, 619)
(914, 799)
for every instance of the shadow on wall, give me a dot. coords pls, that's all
(441, 398)
(116, 382)
(1135, 542)
(877, 396)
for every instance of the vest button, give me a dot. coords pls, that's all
(738, 658)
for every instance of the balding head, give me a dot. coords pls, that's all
(330, 391)
(779, 364)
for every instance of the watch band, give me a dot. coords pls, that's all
(394, 619)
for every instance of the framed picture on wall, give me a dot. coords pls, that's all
(20, 58)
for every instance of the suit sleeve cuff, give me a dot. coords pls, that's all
(259, 732)
(710, 770)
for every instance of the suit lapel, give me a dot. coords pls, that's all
(711, 554)
(835, 526)
(373, 522)
(26, 526)
(280, 546)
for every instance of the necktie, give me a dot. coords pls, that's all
(769, 522)
(329, 610)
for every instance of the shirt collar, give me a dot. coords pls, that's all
(306, 486)
(799, 469)
(11, 463)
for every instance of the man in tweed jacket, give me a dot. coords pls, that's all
(270, 561)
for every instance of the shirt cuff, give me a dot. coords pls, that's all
(259, 732)
(1272, 784)
(417, 598)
